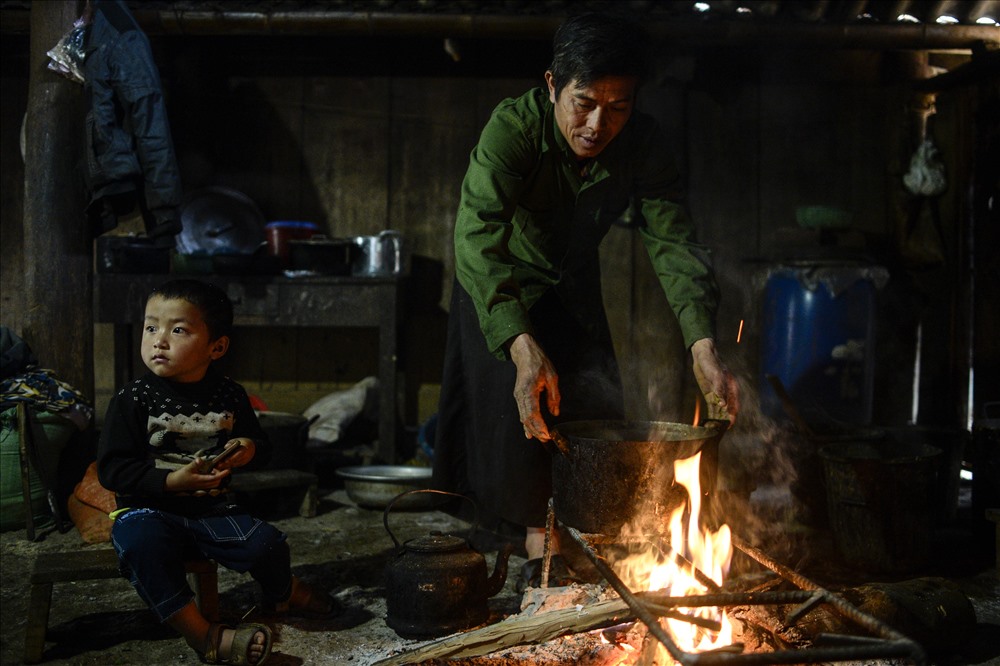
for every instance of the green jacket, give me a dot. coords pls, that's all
(528, 221)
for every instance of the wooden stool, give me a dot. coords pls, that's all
(97, 564)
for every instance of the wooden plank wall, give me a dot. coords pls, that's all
(360, 147)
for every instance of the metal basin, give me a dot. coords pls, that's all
(374, 486)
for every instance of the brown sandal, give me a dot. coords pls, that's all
(242, 641)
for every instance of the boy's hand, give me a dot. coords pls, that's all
(190, 477)
(240, 458)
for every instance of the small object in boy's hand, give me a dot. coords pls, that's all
(210, 464)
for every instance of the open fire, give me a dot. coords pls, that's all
(693, 546)
(668, 568)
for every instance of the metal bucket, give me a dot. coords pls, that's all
(882, 503)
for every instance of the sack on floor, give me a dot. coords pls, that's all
(89, 506)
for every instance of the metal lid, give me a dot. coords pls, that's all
(436, 543)
(220, 220)
(292, 224)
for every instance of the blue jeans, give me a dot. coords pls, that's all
(152, 546)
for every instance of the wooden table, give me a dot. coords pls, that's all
(271, 300)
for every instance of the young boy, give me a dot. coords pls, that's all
(159, 433)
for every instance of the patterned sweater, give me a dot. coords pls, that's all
(154, 426)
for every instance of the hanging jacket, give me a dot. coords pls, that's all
(130, 154)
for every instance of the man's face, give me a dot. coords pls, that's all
(589, 117)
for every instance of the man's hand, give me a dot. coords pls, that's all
(718, 385)
(535, 373)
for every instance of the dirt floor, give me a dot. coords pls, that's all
(345, 548)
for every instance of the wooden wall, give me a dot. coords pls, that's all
(365, 134)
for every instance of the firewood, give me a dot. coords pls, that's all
(932, 611)
(515, 630)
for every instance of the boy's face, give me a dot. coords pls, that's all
(176, 344)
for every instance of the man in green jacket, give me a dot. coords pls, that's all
(552, 171)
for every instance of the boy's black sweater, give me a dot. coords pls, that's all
(154, 426)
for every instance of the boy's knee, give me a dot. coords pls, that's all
(273, 545)
(135, 526)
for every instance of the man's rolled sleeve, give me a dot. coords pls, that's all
(502, 322)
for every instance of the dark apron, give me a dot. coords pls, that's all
(480, 449)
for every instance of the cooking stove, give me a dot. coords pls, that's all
(649, 607)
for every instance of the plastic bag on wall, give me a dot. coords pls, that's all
(926, 175)
(66, 57)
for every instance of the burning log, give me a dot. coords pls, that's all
(933, 611)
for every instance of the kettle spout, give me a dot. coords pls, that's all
(499, 577)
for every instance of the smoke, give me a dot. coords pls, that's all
(769, 482)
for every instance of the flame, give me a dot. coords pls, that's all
(708, 551)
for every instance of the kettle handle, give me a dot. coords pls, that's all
(385, 513)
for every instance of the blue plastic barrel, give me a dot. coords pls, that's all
(818, 337)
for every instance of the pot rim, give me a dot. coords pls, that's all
(323, 242)
(627, 431)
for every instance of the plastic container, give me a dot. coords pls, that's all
(818, 337)
(882, 502)
(280, 233)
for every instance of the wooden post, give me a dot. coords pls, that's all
(58, 321)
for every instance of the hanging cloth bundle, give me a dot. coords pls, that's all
(923, 241)
(926, 175)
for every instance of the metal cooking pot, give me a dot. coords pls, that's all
(129, 254)
(438, 584)
(287, 433)
(322, 255)
(613, 471)
(379, 255)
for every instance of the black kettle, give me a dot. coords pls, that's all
(438, 584)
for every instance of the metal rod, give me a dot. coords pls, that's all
(841, 606)
(796, 614)
(640, 610)
(704, 623)
(667, 551)
(775, 566)
(550, 523)
(727, 599)
(886, 649)
(646, 604)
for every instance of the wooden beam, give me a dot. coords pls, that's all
(58, 322)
